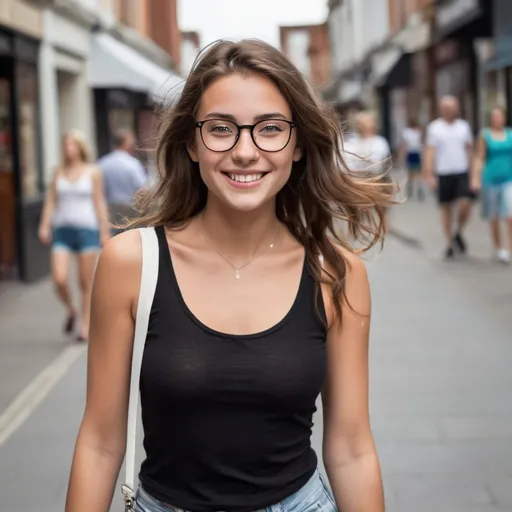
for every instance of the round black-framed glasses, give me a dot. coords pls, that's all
(268, 135)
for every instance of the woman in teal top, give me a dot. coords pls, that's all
(493, 175)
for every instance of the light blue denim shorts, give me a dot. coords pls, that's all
(497, 201)
(315, 496)
(75, 239)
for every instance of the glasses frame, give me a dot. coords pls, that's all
(250, 127)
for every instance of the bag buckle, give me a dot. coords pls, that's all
(129, 498)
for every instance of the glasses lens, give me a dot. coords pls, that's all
(219, 135)
(272, 134)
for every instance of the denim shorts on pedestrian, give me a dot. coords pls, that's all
(497, 201)
(315, 496)
(74, 239)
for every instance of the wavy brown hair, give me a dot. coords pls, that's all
(321, 199)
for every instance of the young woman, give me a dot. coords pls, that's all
(75, 221)
(492, 174)
(410, 155)
(240, 344)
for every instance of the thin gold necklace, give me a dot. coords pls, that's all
(240, 267)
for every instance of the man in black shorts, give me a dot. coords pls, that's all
(446, 168)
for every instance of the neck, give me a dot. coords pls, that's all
(239, 235)
(73, 164)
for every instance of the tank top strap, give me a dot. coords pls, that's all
(163, 248)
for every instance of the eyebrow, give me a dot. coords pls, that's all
(230, 117)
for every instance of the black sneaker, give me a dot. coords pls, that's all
(449, 253)
(460, 243)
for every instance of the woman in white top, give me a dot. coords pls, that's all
(410, 156)
(366, 151)
(75, 221)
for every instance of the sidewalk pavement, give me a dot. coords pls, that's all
(418, 225)
(31, 335)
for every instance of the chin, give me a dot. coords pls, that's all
(247, 204)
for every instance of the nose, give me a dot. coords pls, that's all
(245, 151)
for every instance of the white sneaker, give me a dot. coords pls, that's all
(503, 256)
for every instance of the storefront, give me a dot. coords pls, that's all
(127, 86)
(392, 78)
(21, 179)
(458, 24)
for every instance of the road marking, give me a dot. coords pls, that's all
(28, 400)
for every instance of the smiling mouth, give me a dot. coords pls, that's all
(245, 177)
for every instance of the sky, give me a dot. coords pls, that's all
(238, 19)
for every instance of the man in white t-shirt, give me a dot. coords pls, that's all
(447, 163)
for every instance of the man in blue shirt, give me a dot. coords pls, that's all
(123, 176)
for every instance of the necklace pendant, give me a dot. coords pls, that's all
(237, 274)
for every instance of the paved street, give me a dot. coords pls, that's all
(440, 382)
(418, 225)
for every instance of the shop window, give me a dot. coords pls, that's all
(26, 80)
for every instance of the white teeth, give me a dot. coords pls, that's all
(245, 178)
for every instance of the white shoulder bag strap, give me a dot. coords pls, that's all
(149, 277)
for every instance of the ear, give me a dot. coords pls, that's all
(192, 152)
(297, 154)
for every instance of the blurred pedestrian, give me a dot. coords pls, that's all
(447, 162)
(410, 153)
(124, 176)
(368, 153)
(74, 221)
(245, 328)
(493, 175)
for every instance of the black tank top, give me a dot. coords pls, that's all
(228, 418)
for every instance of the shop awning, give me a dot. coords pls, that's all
(118, 66)
(383, 62)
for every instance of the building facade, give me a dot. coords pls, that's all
(21, 148)
(356, 29)
(309, 48)
(91, 65)
(133, 69)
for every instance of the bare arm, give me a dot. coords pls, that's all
(428, 165)
(100, 204)
(101, 440)
(478, 163)
(349, 452)
(50, 202)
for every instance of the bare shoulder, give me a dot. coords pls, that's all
(355, 298)
(357, 288)
(95, 171)
(356, 267)
(123, 250)
(117, 278)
